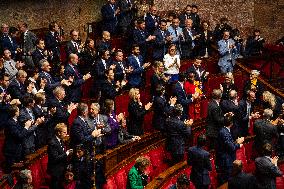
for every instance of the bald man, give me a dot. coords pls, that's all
(73, 46)
(104, 43)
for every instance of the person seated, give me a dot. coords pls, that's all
(83, 167)
(266, 169)
(272, 102)
(227, 85)
(25, 180)
(201, 165)
(254, 44)
(206, 40)
(136, 113)
(69, 182)
(172, 63)
(123, 136)
(183, 182)
(178, 132)
(240, 179)
(137, 177)
(11, 67)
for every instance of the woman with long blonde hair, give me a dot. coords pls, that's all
(272, 102)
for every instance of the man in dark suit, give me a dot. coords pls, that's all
(110, 12)
(50, 84)
(161, 108)
(63, 110)
(121, 68)
(16, 87)
(74, 90)
(73, 46)
(215, 118)
(14, 137)
(255, 44)
(104, 43)
(163, 39)
(195, 18)
(201, 165)
(126, 15)
(57, 156)
(40, 53)
(226, 150)
(182, 97)
(8, 40)
(81, 132)
(185, 15)
(190, 40)
(142, 38)
(5, 100)
(152, 20)
(266, 169)
(183, 182)
(200, 73)
(28, 44)
(52, 41)
(99, 68)
(264, 131)
(245, 113)
(178, 132)
(240, 179)
(135, 61)
(231, 105)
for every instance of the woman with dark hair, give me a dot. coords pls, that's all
(206, 40)
(83, 167)
(69, 182)
(113, 120)
(87, 56)
(136, 113)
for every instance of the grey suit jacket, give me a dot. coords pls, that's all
(105, 130)
(226, 54)
(29, 42)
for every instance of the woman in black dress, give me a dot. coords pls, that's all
(227, 86)
(136, 113)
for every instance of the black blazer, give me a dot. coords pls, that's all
(215, 119)
(201, 165)
(57, 159)
(119, 70)
(61, 115)
(52, 43)
(16, 89)
(178, 133)
(70, 48)
(161, 110)
(266, 173)
(136, 118)
(160, 44)
(202, 71)
(37, 56)
(15, 135)
(74, 92)
(242, 181)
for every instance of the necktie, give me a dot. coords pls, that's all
(163, 33)
(190, 33)
(176, 32)
(12, 66)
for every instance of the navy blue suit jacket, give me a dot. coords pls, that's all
(119, 75)
(74, 90)
(80, 133)
(135, 78)
(109, 18)
(226, 148)
(151, 23)
(160, 44)
(16, 90)
(201, 165)
(139, 38)
(61, 115)
(161, 110)
(7, 44)
(52, 43)
(50, 83)
(178, 133)
(182, 98)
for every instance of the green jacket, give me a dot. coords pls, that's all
(134, 180)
